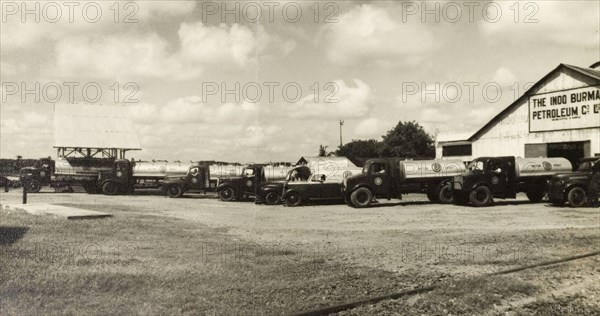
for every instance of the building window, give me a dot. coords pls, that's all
(456, 150)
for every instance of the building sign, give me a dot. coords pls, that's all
(561, 110)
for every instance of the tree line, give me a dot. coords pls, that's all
(405, 140)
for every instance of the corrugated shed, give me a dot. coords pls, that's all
(94, 126)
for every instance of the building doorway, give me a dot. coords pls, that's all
(572, 151)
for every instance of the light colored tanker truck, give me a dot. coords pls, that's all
(503, 177)
(64, 173)
(173, 178)
(391, 177)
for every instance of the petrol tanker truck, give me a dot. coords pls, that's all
(391, 177)
(64, 172)
(174, 178)
(487, 178)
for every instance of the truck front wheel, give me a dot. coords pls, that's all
(226, 194)
(444, 193)
(535, 195)
(34, 186)
(577, 197)
(110, 188)
(361, 197)
(272, 198)
(175, 191)
(481, 196)
(293, 199)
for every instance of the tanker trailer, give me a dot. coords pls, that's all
(174, 178)
(487, 178)
(64, 173)
(391, 177)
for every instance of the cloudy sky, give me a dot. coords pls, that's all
(209, 80)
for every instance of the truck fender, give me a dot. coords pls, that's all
(358, 186)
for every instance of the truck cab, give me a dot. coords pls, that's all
(242, 186)
(33, 178)
(495, 173)
(572, 186)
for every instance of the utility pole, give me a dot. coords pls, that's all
(341, 124)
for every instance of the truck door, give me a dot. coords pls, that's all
(196, 178)
(380, 179)
(497, 171)
(329, 189)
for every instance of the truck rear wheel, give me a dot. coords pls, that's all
(444, 193)
(272, 198)
(481, 196)
(174, 191)
(33, 186)
(293, 199)
(226, 194)
(361, 197)
(535, 195)
(110, 188)
(577, 197)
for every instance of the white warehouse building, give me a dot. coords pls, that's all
(559, 116)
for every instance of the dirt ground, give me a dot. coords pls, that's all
(408, 236)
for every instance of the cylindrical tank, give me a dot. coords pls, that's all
(88, 168)
(224, 171)
(537, 167)
(430, 168)
(149, 169)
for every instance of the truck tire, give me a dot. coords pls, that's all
(481, 196)
(33, 186)
(361, 197)
(272, 198)
(535, 195)
(444, 193)
(110, 188)
(226, 194)
(577, 197)
(174, 191)
(294, 199)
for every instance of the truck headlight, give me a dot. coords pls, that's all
(119, 174)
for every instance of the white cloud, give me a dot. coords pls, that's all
(370, 127)
(369, 34)
(118, 57)
(504, 77)
(225, 45)
(191, 110)
(561, 23)
(352, 102)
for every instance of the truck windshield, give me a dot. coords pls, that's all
(587, 165)
(476, 165)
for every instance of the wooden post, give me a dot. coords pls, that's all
(24, 193)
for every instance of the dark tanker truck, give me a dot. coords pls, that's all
(64, 173)
(572, 186)
(487, 178)
(391, 177)
(174, 178)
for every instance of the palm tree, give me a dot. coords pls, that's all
(322, 151)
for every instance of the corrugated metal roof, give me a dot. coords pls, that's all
(94, 126)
